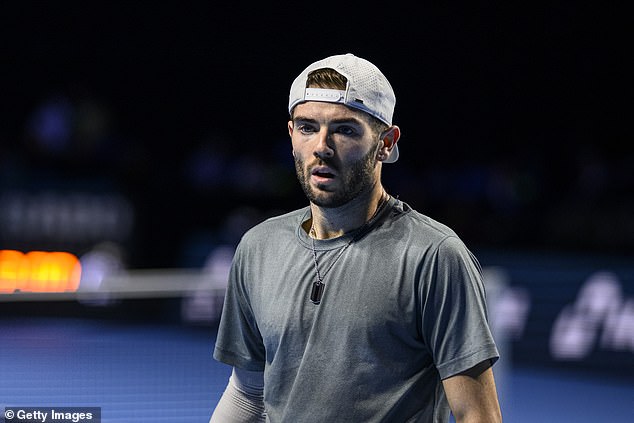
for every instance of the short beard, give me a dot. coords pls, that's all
(357, 179)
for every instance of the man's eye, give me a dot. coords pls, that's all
(306, 129)
(346, 130)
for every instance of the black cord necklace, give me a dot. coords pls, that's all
(317, 289)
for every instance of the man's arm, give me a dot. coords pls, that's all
(472, 395)
(242, 400)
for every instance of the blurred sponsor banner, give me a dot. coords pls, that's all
(569, 311)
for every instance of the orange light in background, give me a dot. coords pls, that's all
(38, 271)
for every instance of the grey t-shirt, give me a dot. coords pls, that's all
(403, 308)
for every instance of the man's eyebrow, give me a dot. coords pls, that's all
(349, 120)
(303, 119)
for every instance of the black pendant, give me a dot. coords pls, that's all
(316, 292)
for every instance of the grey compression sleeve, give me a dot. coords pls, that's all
(242, 400)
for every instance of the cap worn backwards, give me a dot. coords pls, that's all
(367, 89)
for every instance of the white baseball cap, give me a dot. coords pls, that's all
(367, 89)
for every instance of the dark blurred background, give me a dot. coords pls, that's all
(144, 138)
(161, 123)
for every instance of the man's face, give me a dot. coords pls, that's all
(335, 152)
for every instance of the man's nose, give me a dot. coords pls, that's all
(324, 146)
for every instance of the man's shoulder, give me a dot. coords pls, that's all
(422, 224)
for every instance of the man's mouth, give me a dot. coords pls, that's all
(323, 172)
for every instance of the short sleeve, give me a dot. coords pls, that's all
(454, 311)
(239, 342)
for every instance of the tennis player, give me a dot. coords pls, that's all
(355, 308)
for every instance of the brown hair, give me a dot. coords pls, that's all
(326, 78)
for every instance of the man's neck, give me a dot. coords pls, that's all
(329, 223)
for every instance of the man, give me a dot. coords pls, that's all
(355, 308)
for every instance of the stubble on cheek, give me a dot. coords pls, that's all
(358, 178)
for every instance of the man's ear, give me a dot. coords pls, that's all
(388, 139)
(290, 128)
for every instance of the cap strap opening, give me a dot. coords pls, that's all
(324, 94)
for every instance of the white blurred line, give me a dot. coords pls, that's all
(155, 283)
